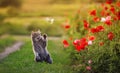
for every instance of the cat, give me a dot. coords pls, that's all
(39, 43)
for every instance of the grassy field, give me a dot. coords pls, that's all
(22, 61)
(6, 41)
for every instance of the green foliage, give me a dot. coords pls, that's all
(105, 58)
(2, 17)
(5, 42)
(8, 28)
(54, 29)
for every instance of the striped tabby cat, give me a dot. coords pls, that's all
(39, 43)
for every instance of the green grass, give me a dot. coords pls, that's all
(4, 42)
(22, 61)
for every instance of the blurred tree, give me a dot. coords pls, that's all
(13, 3)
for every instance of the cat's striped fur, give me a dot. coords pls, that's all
(39, 43)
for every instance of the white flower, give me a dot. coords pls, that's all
(89, 42)
(89, 61)
(103, 19)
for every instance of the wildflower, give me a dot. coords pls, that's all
(96, 19)
(110, 35)
(106, 8)
(100, 28)
(86, 24)
(76, 42)
(109, 1)
(118, 15)
(103, 19)
(92, 38)
(67, 26)
(89, 61)
(108, 22)
(88, 67)
(118, 4)
(78, 48)
(101, 43)
(89, 42)
(65, 43)
(108, 18)
(80, 44)
(93, 12)
(94, 30)
(103, 13)
(112, 9)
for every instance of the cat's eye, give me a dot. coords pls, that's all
(37, 38)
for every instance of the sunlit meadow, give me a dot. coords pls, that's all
(83, 35)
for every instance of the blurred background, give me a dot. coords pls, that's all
(59, 19)
(20, 17)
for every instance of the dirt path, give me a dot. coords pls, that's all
(17, 46)
(11, 49)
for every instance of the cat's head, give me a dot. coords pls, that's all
(36, 35)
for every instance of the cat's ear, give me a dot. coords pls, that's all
(45, 36)
(32, 33)
(39, 31)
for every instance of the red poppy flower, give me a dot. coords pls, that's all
(109, 1)
(115, 18)
(92, 38)
(67, 26)
(83, 40)
(110, 35)
(101, 43)
(80, 44)
(103, 13)
(102, 4)
(94, 30)
(107, 14)
(118, 15)
(108, 22)
(118, 4)
(83, 43)
(96, 19)
(93, 12)
(78, 48)
(86, 24)
(100, 28)
(76, 42)
(65, 43)
(106, 8)
(112, 9)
